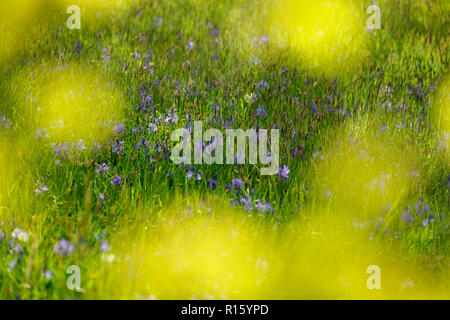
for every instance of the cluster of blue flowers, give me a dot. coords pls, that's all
(5, 123)
(242, 198)
(420, 212)
(18, 239)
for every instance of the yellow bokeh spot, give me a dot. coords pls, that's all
(326, 37)
(17, 24)
(76, 103)
(206, 251)
(441, 113)
(192, 257)
(9, 182)
(5, 170)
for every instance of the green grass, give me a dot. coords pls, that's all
(211, 82)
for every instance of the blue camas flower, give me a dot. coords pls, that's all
(283, 172)
(64, 247)
(212, 183)
(237, 184)
(5, 123)
(102, 168)
(117, 181)
(406, 215)
(41, 188)
(261, 112)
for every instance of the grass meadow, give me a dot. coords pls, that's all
(93, 207)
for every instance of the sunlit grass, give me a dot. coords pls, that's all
(441, 113)
(6, 172)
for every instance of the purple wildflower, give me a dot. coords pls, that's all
(148, 56)
(117, 181)
(199, 175)
(262, 85)
(237, 184)
(255, 60)
(78, 47)
(432, 87)
(41, 133)
(429, 220)
(406, 215)
(17, 247)
(212, 183)
(158, 22)
(119, 128)
(174, 118)
(145, 143)
(264, 39)
(118, 148)
(246, 202)
(214, 57)
(5, 123)
(296, 151)
(214, 31)
(283, 172)
(313, 107)
(99, 237)
(146, 103)
(263, 207)
(40, 189)
(190, 45)
(102, 168)
(105, 56)
(48, 274)
(64, 247)
(189, 173)
(12, 264)
(152, 127)
(261, 112)
(80, 145)
(104, 246)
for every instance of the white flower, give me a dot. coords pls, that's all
(108, 257)
(249, 97)
(19, 234)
